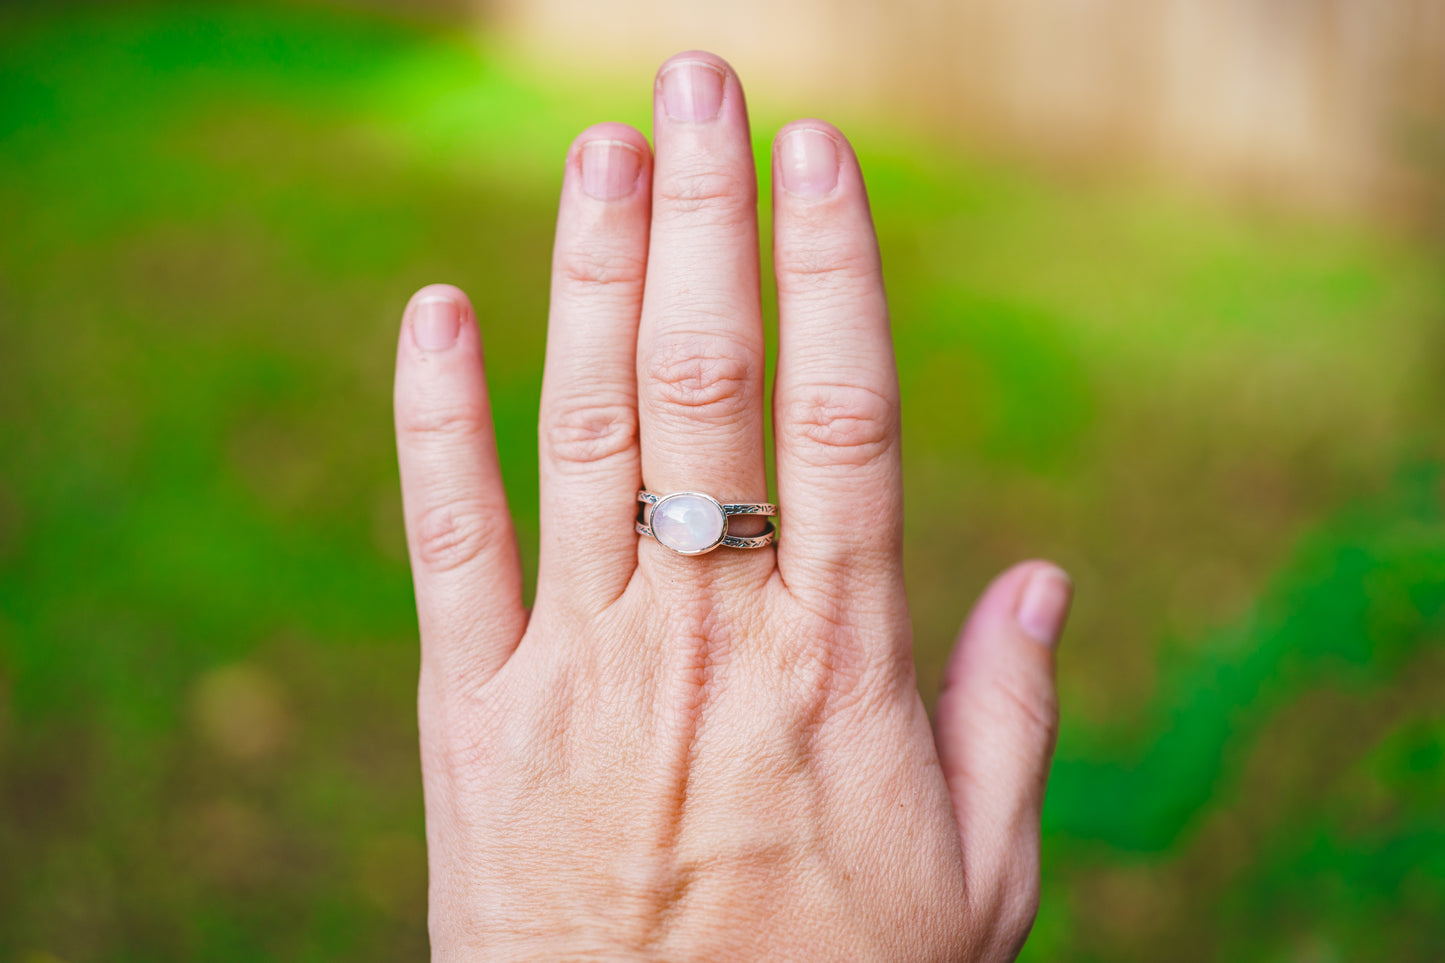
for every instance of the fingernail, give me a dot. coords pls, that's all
(609, 169)
(809, 162)
(435, 323)
(1044, 603)
(692, 91)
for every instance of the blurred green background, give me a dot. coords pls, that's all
(1222, 417)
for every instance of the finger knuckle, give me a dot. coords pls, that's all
(725, 196)
(453, 716)
(444, 426)
(810, 267)
(712, 377)
(828, 665)
(822, 657)
(456, 534)
(580, 432)
(602, 268)
(847, 424)
(464, 751)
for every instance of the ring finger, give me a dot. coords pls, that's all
(700, 341)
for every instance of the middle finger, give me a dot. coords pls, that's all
(700, 340)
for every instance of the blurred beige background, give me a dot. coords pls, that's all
(1334, 104)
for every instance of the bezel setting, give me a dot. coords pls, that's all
(722, 517)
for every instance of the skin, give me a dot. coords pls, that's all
(721, 757)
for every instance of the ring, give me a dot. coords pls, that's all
(691, 523)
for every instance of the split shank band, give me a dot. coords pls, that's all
(692, 523)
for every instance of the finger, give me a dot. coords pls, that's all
(835, 407)
(463, 551)
(590, 468)
(996, 723)
(700, 343)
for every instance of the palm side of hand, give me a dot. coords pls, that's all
(724, 756)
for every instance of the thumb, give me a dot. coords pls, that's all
(995, 727)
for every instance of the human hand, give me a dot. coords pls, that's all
(721, 756)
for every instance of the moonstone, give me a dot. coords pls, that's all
(687, 523)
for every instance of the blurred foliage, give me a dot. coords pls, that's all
(1225, 423)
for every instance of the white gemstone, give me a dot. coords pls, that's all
(688, 523)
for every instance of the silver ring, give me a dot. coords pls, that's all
(691, 523)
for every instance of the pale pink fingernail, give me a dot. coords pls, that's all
(809, 162)
(1044, 603)
(609, 169)
(435, 323)
(692, 91)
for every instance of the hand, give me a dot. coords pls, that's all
(721, 756)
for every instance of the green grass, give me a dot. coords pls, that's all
(1223, 422)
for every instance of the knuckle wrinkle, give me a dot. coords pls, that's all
(601, 268)
(445, 425)
(851, 424)
(453, 536)
(727, 195)
(692, 375)
(582, 434)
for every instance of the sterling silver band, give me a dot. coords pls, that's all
(708, 518)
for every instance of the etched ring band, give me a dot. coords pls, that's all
(692, 523)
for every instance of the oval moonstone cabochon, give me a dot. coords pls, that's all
(688, 523)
